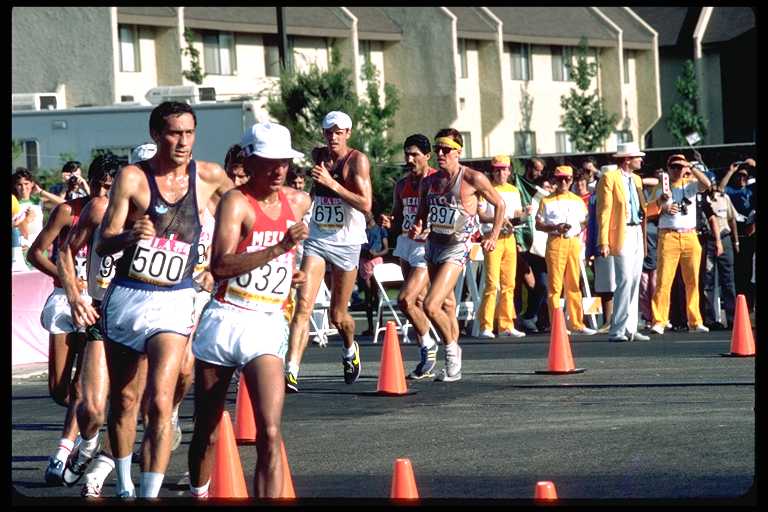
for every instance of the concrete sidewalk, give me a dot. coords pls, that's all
(28, 371)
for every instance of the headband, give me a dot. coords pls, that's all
(448, 142)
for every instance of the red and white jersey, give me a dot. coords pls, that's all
(265, 288)
(409, 197)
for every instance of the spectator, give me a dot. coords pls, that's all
(589, 169)
(744, 200)
(501, 262)
(32, 197)
(719, 257)
(678, 243)
(72, 184)
(296, 178)
(621, 209)
(233, 165)
(563, 216)
(648, 276)
(371, 254)
(529, 185)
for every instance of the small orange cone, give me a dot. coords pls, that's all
(392, 372)
(245, 421)
(545, 491)
(403, 481)
(227, 480)
(560, 357)
(288, 490)
(742, 339)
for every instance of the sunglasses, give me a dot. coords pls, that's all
(443, 149)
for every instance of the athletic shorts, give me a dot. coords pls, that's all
(344, 257)
(131, 316)
(201, 299)
(605, 276)
(436, 253)
(410, 251)
(231, 336)
(56, 317)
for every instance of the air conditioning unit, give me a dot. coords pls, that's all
(187, 93)
(37, 101)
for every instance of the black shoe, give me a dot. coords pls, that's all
(75, 469)
(352, 366)
(716, 326)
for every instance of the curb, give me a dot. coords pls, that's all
(28, 371)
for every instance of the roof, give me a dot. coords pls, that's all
(667, 21)
(374, 24)
(156, 16)
(470, 24)
(634, 34)
(306, 21)
(547, 25)
(727, 23)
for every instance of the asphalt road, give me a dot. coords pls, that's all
(665, 419)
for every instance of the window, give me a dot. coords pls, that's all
(467, 151)
(364, 51)
(563, 143)
(623, 136)
(219, 53)
(31, 154)
(272, 54)
(525, 143)
(562, 57)
(129, 48)
(463, 68)
(520, 60)
(626, 66)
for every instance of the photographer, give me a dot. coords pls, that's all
(678, 242)
(72, 185)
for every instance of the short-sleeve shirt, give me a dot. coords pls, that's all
(722, 208)
(563, 208)
(684, 189)
(376, 236)
(512, 203)
(743, 199)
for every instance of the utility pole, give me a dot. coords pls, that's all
(282, 40)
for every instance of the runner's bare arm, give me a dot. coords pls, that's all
(216, 180)
(359, 175)
(234, 218)
(123, 193)
(60, 217)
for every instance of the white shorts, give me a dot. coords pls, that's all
(201, 299)
(605, 276)
(410, 251)
(345, 257)
(131, 316)
(56, 317)
(231, 336)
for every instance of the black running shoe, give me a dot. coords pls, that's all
(352, 366)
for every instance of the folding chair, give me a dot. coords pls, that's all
(468, 310)
(320, 325)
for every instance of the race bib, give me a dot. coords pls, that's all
(328, 213)
(263, 288)
(409, 217)
(159, 261)
(442, 219)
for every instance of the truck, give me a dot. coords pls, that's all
(48, 137)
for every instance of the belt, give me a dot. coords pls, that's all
(633, 224)
(681, 231)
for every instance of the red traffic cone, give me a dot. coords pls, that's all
(560, 357)
(288, 490)
(392, 372)
(245, 421)
(545, 491)
(742, 339)
(403, 481)
(227, 480)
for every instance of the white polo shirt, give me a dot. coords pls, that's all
(682, 189)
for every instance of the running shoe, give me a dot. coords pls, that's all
(452, 370)
(127, 494)
(175, 424)
(94, 479)
(426, 367)
(291, 382)
(91, 488)
(75, 468)
(54, 473)
(487, 335)
(352, 366)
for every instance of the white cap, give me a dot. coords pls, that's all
(337, 118)
(143, 152)
(268, 140)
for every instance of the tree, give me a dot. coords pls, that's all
(585, 118)
(195, 74)
(683, 118)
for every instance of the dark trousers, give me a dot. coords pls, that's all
(717, 274)
(743, 269)
(537, 297)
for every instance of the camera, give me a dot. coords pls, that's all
(73, 182)
(683, 205)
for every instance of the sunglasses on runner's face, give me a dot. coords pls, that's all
(443, 149)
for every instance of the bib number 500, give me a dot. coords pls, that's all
(157, 266)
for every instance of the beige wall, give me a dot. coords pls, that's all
(491, 100)
(648, 101)
(468, 97)
(612, 85)
(168, 56)
(137, 83)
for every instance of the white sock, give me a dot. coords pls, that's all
(64, 449)
(293, 367)
(349, 353)
(124, 481)
(150, 484)
(175, 414)
(101, 468)
(88, 446)
(452, 350)
(199, 492)
(427, 341)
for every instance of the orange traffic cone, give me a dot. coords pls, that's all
(545, 491)
(245, 421)
(227, 480)
(742, 339)
(560, 358)
(288, 490)
(392, 372)
(403, 481)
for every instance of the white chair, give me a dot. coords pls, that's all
(320, 325)
(388, 273)
(469, 309)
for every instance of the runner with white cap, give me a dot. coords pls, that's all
(342, 195)
(253, 263)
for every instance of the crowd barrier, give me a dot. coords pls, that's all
(29, 341)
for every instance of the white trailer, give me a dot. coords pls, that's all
(46, 135)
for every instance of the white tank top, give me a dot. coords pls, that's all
(100, 270)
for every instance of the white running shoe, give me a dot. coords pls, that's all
(452, 370)
(700, 328)
(512, 332)
(487, 335)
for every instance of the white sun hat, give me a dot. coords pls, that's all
(628, 150)
(269, 140)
